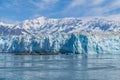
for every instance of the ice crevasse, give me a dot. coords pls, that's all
(60, 43)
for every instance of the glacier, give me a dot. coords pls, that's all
(75, 43)
(97, 35)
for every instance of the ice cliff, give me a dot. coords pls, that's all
(60, 43)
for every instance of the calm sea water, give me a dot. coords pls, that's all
(59, 67)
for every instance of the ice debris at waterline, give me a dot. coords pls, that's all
(60, 43)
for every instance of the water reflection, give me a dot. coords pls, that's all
(57, 67)
(84, 63)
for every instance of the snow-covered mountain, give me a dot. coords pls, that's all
(10, 29)
(43, 25)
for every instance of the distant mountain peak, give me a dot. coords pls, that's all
(41, 18)
(5, 24)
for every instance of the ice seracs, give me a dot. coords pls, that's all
(60, 43)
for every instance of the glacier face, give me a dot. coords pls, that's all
(60, 43)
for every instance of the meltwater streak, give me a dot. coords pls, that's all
(59, 67)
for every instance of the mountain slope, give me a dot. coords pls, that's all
(10, 29)
(44, 25)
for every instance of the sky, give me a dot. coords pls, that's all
(14, 11)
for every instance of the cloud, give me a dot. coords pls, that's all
(91, 7)
(97, 2)
(44, 4)
(75, 3)
(12, 5)
(111, 6)
(26, 4)
(23, 9)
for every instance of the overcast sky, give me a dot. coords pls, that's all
(13, 11)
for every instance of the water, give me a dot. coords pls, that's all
(59, 67)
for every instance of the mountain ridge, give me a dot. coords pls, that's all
(44, 25)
